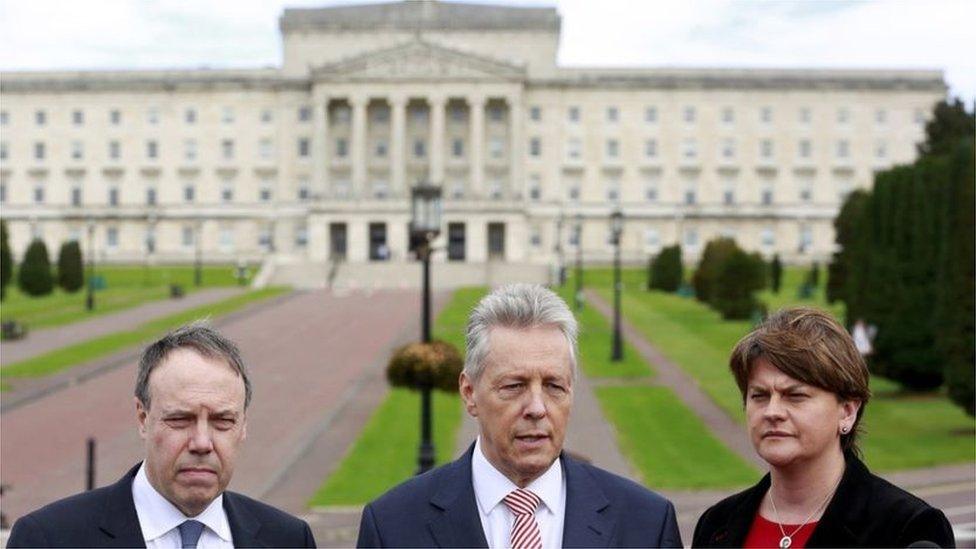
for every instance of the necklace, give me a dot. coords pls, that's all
(787, 540)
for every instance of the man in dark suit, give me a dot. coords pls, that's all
(191, 397)
(515, 487)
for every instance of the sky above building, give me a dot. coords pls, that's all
(130, 34)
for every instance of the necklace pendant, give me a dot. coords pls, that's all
(785, 542)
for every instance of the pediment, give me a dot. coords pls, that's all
(419, 60)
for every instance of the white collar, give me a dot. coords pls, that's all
(157, 516)
(491, 486)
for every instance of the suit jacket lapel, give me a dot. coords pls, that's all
(244, 526)
(457, 523)
(838, 523)
(588, 522)
(119, 520)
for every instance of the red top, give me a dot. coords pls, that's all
(764, 533)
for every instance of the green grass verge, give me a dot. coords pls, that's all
(125, 287)
(72, 355)
(903, 430)
(385, 454)
(669, 444)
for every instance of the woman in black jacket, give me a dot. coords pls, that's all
(805, 387)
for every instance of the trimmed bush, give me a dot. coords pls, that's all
(666, 270)
(706, 275)
(6, 260)
(740, 276)
(438, 363)
(71, 275)
(34, 277)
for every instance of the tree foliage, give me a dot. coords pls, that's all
(71, 275)
(906, 261)
(34, 277)
(6, 260)
(666, 270)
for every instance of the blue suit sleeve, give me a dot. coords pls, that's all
(670, 535)
(369, 535)
(27, 533)
(309, 538)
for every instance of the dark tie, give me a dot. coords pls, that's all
(190, 533)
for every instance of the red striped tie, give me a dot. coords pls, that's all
(525, 530)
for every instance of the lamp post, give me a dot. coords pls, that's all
(90, 297)
(198, 261)
(425, 225)
(578, 229)
(616, 228)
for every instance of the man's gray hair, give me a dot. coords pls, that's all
(202, 338)
(516, 306)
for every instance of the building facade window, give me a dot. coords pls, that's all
(805, 148)
(728, 148)
(38, 193)
(574, 148)
(843, 148)
(189, 193)
(650, 148)
(190, 116)
(227, 115)
(613, 115)
(152, 116)
(114, 150)
(227, 149)
(766, 115)
(381, 148)
(265, 148)
(78, 118)
(881, 117)
(804, 116)
(4, 152)
(535, 147)
(115, 117)
(728, 116)
(265, 191)
(227, 191)
(535, 114)
(152, 149)
(535, 187)
(689, 115)
(880, 150)
(304, 113)
(40, 118)
(39, 150)
(651, 189)
(457, 147)
(76, 196)
(613, 149)
(843, 115)
(342, 148)
(303, 147)
(4, 118)
(188, 236)
(573, 114)
(112, 237)
(190, 150)
(77, 150)
(420, 148)
(766, 149)
(113, 196)
(266, 116)
(689, 148)
(151, 198)
(650, 115)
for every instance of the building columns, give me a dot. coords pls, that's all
(437, 105)
(476, 108)
(398, 116)
(359, 145)
(320, 140)
(515, 183)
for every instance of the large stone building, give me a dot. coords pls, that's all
(314, 161)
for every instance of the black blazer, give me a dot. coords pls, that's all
(438, 509)
(866, 511)
(106, 517)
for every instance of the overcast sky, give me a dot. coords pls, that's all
(931, 34)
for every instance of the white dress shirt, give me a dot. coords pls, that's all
(160, 519)
(491, 487)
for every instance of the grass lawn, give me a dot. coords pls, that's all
(903, 431)
(125, 287)
(385, 454)
(668, 444)
(72, 355)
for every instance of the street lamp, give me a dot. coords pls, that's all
(198, 262)
(425, 225)
(90, 298)
(616, 228)
(578, 229)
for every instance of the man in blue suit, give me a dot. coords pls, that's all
(515, 487)
(191, 397)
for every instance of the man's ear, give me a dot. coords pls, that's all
(141, 414)
(466, 388)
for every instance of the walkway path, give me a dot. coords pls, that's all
(44, 340)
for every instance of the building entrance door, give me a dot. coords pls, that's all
(455, 241)
(378, 250)
(337, 241)
(496, 241)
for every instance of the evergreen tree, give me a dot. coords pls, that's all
(666, 270)
(955, 331)
(34, 277)
(6, 260)
(70, 271)
(706, 275)
(950, 124)
(775, 273)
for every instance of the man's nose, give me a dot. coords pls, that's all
(201, 441)
(536, 406)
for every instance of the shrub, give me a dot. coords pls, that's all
(438, 363)
(71, 275)
(34, 277)
(6, 261)
(706, 275)
(666, 270)
(740, 276)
